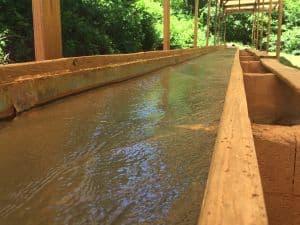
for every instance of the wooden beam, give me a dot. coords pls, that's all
(279, 29)
(47, 29)
(269, 25)
(166, 44)
(229, 12)
(248, 4)
(196, 23)
(208, 22)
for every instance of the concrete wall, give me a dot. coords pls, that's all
(270, 99)
(275, 105)
(13, 71)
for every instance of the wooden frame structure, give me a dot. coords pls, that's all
(258, 8)
(48, 38)
(242, 6)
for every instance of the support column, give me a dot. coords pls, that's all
(208, 22)
(254, 24)
(225, 29)
(280, 12)
(257, 26)
(215, 23)
(219, 23)
(47, 29)
(253, 27)
(269, 25)
(262, 26)
(166, 44)
(196, 23)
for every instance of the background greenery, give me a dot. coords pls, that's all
(122, 26)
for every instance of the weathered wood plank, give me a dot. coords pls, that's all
(234, 192)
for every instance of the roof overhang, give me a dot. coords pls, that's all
(248, 6)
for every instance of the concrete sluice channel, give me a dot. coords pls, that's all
(135, 152)
(273, 98)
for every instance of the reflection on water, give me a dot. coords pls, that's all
(136, 152)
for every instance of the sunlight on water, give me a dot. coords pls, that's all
(136, 152)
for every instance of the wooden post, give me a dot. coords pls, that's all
(215, 24)
(253, 26)
(257, 26)
(269, 25)
(166, 25)
(47, 29)
(196, 23)
(208, 22)
(262, 26)
(280, 12)
(225, 29)
(219, 24)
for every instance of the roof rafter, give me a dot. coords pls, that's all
(243, 6)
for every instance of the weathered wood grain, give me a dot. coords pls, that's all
(47, 29)
(234, 192)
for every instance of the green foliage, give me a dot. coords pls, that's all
(88, 27)
(240, 27)
(291, 28)
(291, 39)
(16, 30)
(3, 56)
(182, 25)
(121, 26)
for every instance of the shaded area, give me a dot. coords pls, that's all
(289, 60)
(136, 152)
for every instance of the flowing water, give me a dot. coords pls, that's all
(135, 152)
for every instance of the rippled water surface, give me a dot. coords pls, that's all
(135, 152)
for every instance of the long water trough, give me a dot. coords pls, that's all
(135, 152)
(213, 140)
